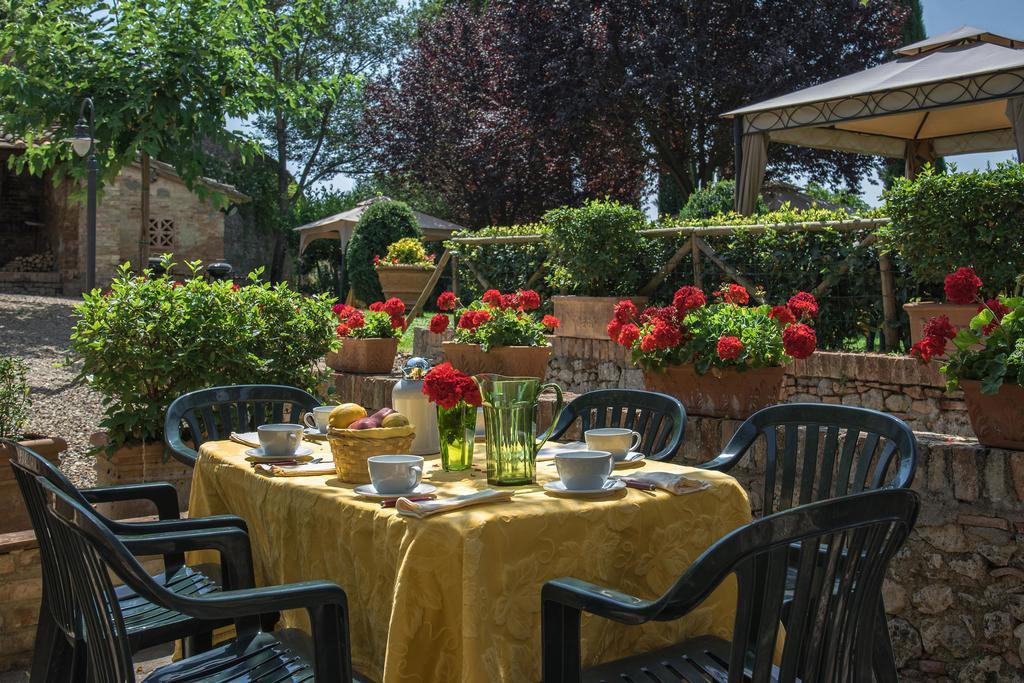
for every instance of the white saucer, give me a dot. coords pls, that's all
(609, 486)
(257, 454)
(632, 458)
(421, 489)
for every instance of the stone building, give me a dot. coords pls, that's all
(40, 217)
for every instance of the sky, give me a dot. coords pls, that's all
(1004, 17)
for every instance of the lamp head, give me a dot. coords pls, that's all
(81, 141)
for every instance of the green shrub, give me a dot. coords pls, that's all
(941, 221)
(144, 342)
(380, 225)
(14, 398)
(709, 201)
(407, 251)
(597, 249)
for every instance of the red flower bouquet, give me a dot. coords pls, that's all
(496, 319)
(447, 387)
(383, 320)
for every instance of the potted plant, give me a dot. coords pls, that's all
(987, 362)
(147, 340)
(369, 340)
(404, 270)
(499, 333)
(721, 359)
(596, 256)
(15, 403)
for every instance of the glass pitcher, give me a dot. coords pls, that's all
(510, 423)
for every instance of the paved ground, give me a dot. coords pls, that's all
(37, 329)
(145, 662)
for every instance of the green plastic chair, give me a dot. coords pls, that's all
(91, 552)
(828, 637)
(659, 419)
(60, 650)
(212, 414)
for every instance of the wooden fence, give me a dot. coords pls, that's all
(696, 246)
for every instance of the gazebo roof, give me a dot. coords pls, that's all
(951, 89)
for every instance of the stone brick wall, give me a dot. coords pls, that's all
(895, 384)
(44, 284)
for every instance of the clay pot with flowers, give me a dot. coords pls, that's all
(987, 359)
(499, 333)
(404, 270)
(457, 397)
(369, 339)
(721, 359)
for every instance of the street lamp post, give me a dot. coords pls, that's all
(84, 145)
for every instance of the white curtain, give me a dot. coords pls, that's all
(751, 172)
(1015, 112)
(919, 153)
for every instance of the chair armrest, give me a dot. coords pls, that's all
(160, 493)
(604, 602)
(231, 542)
(174, 525)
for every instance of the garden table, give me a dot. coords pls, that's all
(456, 596)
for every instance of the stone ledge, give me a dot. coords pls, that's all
(13, 276)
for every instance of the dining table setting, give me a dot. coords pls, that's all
(446, 586)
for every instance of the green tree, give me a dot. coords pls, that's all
(164, 81)
(380, 225)
(316, 89)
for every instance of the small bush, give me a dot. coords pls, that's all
(14, 399)
(144, 342)
(381, 224)
(709, 201)
(407, 251)
(597, 249)
(941, 221)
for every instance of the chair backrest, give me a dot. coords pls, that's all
(844, 547)
(212, 414)
(28, 468)
(660, 419)
(814, 451)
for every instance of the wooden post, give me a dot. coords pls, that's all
(667, 269)
(891, 326)
(736, 275)
(698, 277)
(144, 217)
(425, 294)
(455, 274)
(484, 282)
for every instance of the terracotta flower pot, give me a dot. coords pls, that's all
(364, 356)
(404, 281)
(136, 463)
(997, 419)
(587, 317)
(730, 394)
(512, 361)
(13, 515)
(921, 312)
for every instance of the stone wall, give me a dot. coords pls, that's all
(896, 384)
(43, 284)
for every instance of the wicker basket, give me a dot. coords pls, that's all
(351, 448)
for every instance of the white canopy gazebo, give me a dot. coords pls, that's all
(341, 225)
(957, 93)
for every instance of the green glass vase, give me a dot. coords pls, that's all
(510, 421)
(456, 428)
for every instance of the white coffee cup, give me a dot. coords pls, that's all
(280, 440)
(584, 470)
(616, 440)
(319, 418)
(395, 474)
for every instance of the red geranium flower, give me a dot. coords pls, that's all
(736, 294)
(999, 309)
(782, 315)
(446, 302)
(625, 311)
(928, 348)
(666, 334)
(803, 304)
(729, 347)
(377, 306)
(668, 313)
(529, 300)
(342, 310)
(688, 298)
(492, 297)
(439, 323)
(962, 286)
(343, 330)
(648, 343)
(394, 306)
(356, 319)
(508, 301)
(468, 391)
(799, 340)
(614, 327)
(940, 327)
(235, 286)
(551, 322)
(376, 260)
(441, 385)
(629, 334)
(398, 322)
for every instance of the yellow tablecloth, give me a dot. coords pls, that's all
(456, 597)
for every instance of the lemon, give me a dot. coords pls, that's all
(345, 414)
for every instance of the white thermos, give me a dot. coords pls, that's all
(407, 398)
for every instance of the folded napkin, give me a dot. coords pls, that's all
(305, 469)
(677, 484)
(430, 507)
(250, 439)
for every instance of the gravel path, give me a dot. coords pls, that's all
(37, 329)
